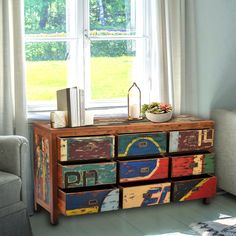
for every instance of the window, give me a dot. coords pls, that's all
(99, 45)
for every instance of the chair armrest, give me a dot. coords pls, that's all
(13, 154)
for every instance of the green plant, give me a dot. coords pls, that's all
(156, 108)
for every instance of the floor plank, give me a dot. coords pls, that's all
(168, 219)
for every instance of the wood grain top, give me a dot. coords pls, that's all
(119, 126)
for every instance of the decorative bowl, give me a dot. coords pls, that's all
(162, 117)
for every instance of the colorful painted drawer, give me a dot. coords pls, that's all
(191, 140)
(145, 195)
(192, 165)
(194, 188)
(86, 148)
(72, 176)
(147, 169)
(90, 201)
(142, 144)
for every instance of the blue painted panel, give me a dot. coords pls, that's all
(132, 169)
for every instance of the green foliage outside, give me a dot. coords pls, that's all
(109, 78)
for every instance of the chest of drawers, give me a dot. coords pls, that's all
(116, 166)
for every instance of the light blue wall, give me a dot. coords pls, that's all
(215, 22)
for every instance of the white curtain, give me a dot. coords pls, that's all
(13, 118)
(167, 52)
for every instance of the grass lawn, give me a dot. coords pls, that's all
(110, 78)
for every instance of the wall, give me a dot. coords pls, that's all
(215, 58)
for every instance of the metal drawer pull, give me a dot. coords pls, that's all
(143, 144)
(144, 170)
(93, 202)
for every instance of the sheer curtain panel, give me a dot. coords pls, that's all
(13, 118)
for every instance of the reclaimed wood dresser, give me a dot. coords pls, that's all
(111, 166)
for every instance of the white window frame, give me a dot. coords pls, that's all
(80, 54)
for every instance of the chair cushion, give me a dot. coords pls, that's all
(10, 189)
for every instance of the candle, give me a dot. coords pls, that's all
(134, 111)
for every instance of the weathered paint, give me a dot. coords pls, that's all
(41, 168)
(71, 176)
(194, 189)
(191, 140)
(86, 148)
(192, 165)
(145, 195)
(142, 144)
(91, 202)
(148, 169)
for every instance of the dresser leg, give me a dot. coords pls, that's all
(206, 201)
(53, 219)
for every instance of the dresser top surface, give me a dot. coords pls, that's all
(120, 125)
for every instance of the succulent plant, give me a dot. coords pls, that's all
(156, 108)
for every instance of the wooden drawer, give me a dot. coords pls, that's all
(88, 201)
(138, 170)
(194, 188)
(191, 140)
(141, 144)
(71, 176)
(192, 165)
(145, 195)
(86, 148)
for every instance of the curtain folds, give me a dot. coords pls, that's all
(13, 116)
(167, 52)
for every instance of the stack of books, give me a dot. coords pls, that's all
(71, 100)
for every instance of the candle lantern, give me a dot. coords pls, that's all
(134, 102)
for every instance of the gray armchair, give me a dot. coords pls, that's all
(14, 218)
(225, 146)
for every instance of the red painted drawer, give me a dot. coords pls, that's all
(192, 165)
(86, 148)
(191, 140)
(194, 188)
(146, 169)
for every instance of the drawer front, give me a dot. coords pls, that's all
(71, 176)
(194, 189)
(191, 140)
(142, 144)
(137, 170)
(192, 165)
(86, 148)
(87, 202)
(145, 195)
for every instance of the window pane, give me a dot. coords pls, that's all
(45, 17)
(112, 67)
(114, 17)
(46, 70)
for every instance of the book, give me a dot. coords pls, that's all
(81, 106)
(67, 101)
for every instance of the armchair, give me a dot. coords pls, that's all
(225, 145)
(14, 219)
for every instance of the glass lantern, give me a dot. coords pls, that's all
(134, 102)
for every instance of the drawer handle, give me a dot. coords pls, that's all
(192, 165)
(144, 170)
(143, 144)
(93, 202)
(195, 189)
(90, 146)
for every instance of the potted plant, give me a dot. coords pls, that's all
(157, 112)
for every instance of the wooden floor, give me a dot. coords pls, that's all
(157, 220)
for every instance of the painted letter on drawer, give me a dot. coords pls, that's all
(87, 202)
(192, 165)
(145, 195)
(148, 169)
(86, 148)
(191, 189)
(191, 140)
(141, 144)
(71, 176)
